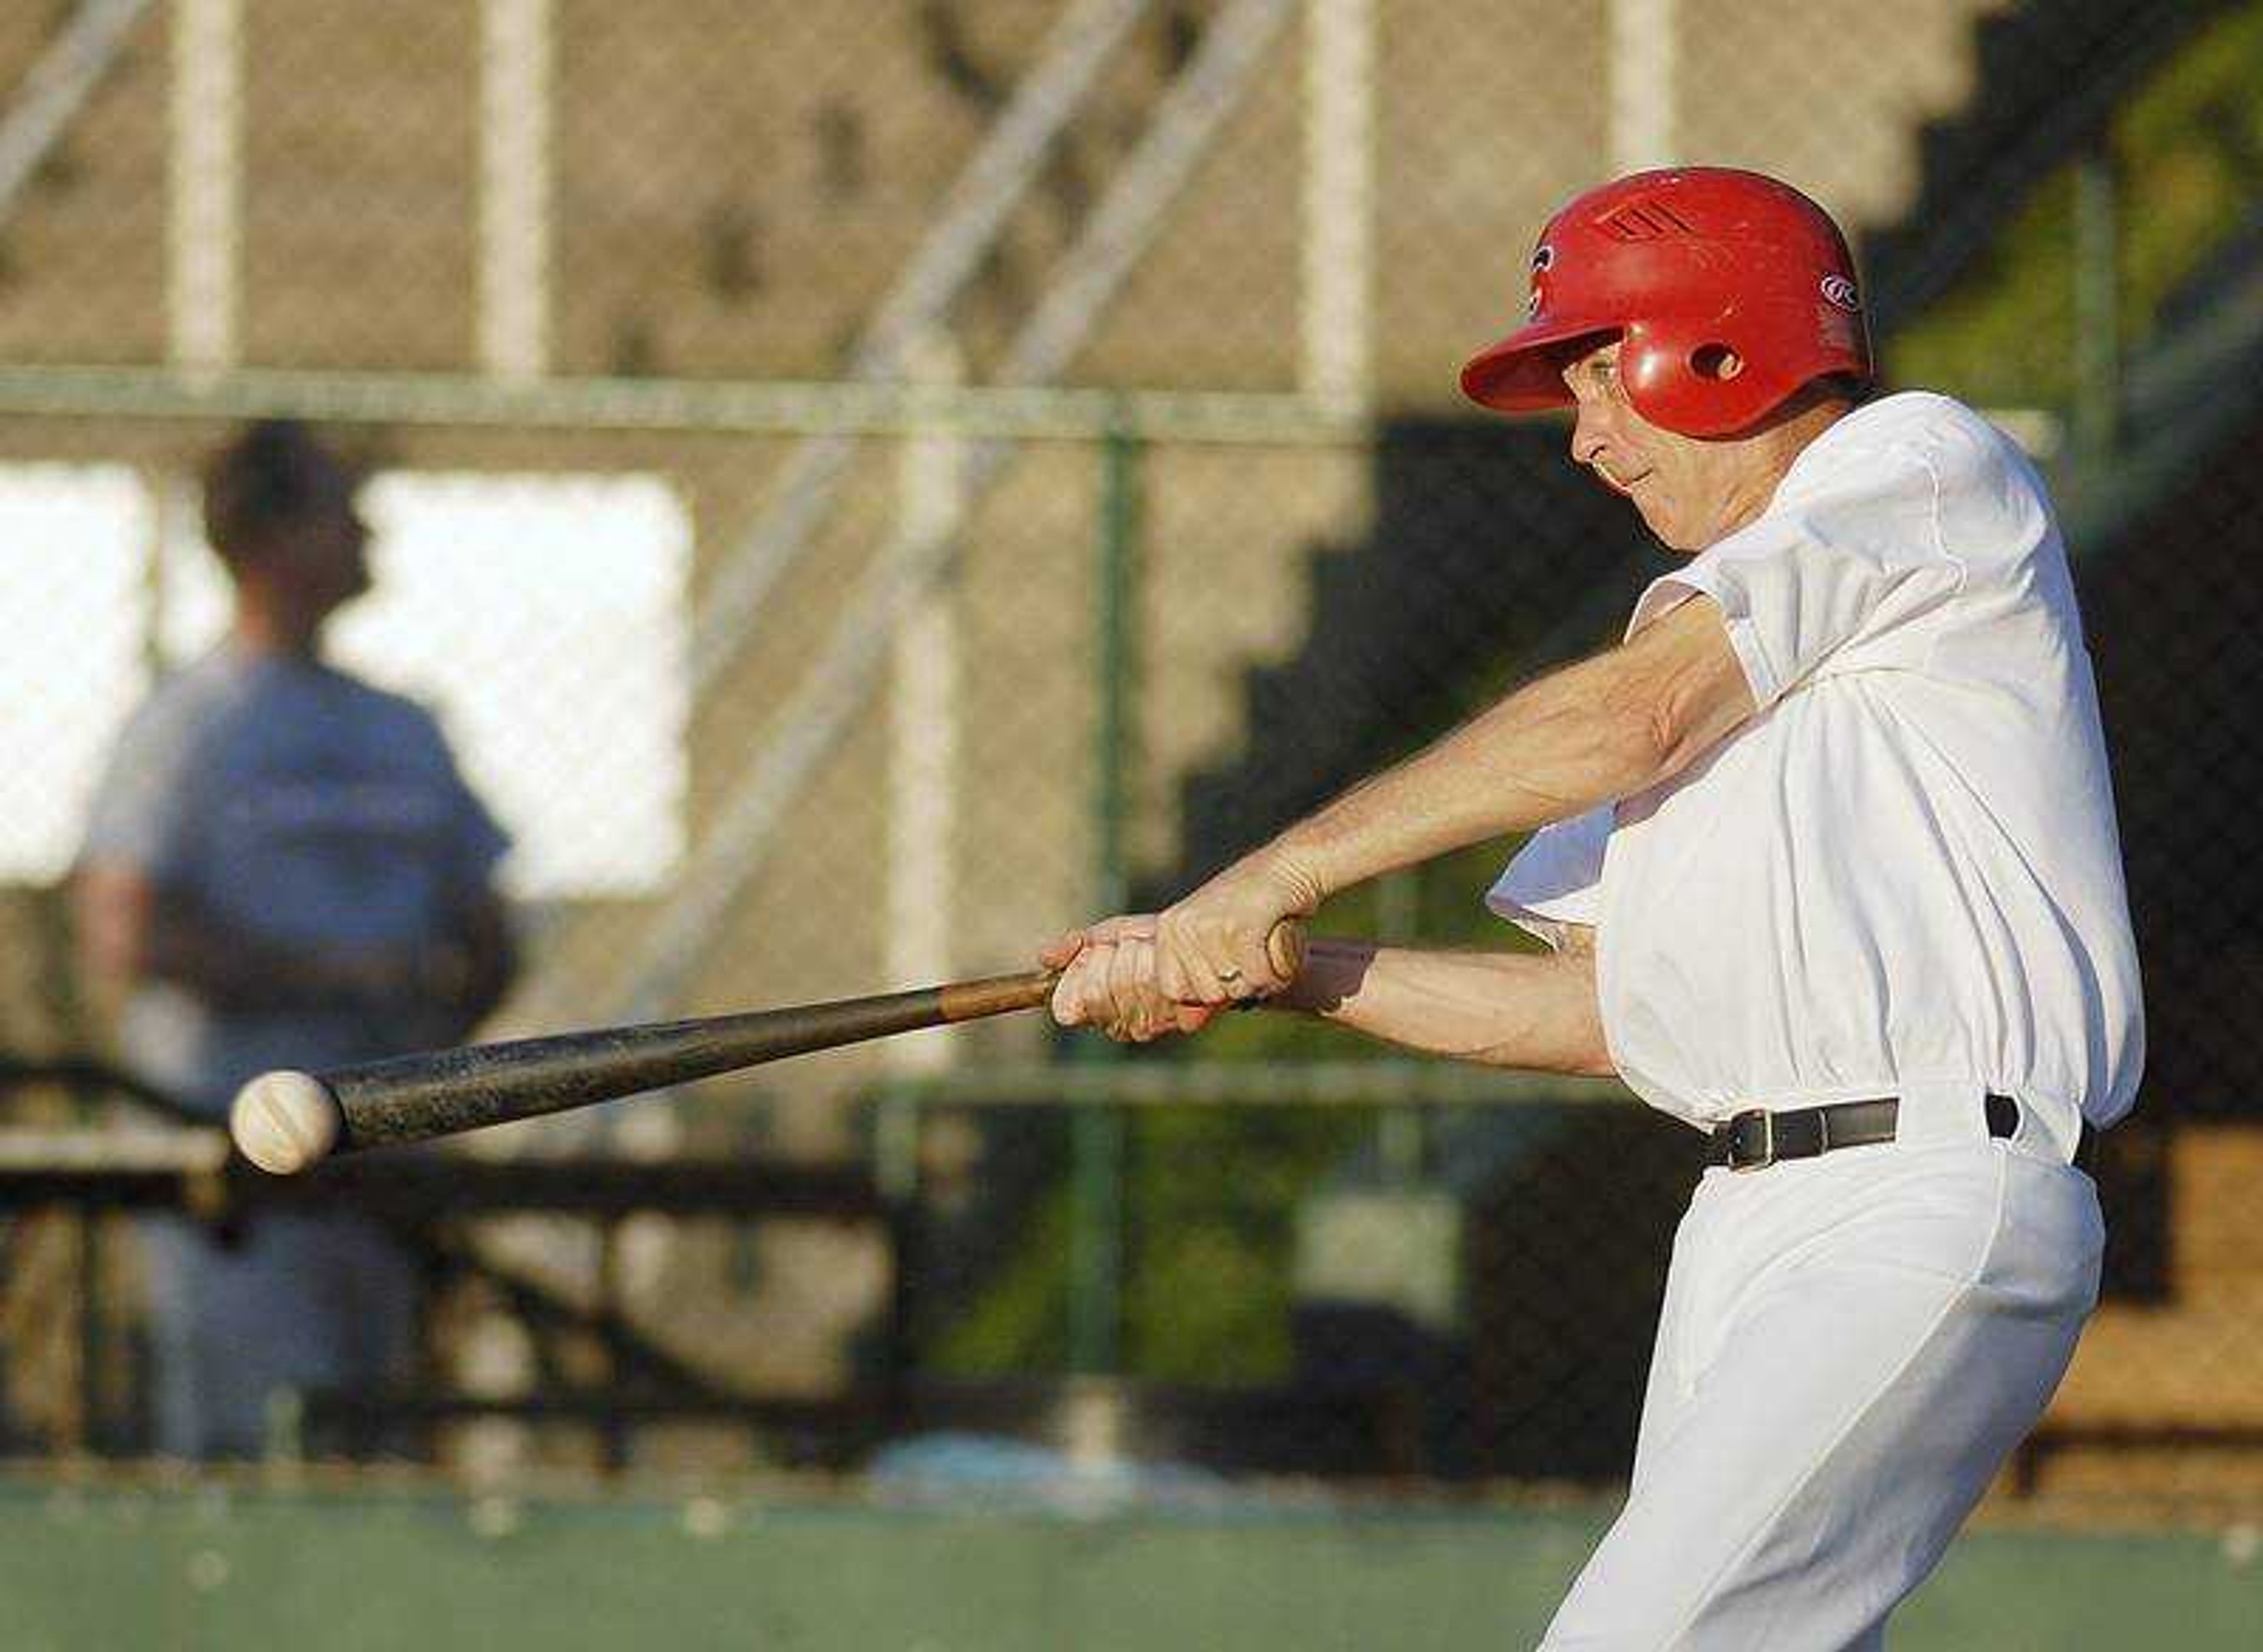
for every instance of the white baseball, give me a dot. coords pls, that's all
(284, 1121)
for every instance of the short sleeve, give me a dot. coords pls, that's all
(481, 842)
(1837, 577)
(148, 801)
(476, 843)
(1555, 879)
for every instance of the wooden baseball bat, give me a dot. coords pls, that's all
(286, 1121)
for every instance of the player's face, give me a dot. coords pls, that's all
(331, 550)
(1690, 492)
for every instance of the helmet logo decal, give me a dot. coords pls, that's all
(1839, 290)
(1544, 260)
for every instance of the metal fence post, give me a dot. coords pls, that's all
(1097, 1140)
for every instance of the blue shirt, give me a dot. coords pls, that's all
(300, 807)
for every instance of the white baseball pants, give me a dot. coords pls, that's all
(1849, 1348)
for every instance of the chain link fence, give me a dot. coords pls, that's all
(867, 488)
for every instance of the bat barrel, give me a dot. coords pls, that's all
(412, 1098)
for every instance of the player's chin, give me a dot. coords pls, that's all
(1666, 528)
(1653, 509)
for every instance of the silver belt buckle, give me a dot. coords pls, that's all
(1768, 1143)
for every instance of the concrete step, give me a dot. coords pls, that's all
(2166, 1399)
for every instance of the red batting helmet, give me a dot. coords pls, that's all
(1684, 264)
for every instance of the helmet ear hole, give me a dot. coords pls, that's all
(1681, 376)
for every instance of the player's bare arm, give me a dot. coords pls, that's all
(1605, 728)
(468, 973)
(1537, 1012)
(130, 928)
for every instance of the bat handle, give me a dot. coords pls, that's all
(1000, 995)
(1284, 950)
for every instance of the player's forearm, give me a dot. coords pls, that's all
(1534, 1012)
(131, 931)
(477, 967)
(1592, 733)
(232, 970)
(1545, 754)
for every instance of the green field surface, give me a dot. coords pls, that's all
(118, 1568)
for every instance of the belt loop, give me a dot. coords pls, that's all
(1954, 1110)
(2012, 1121)
(2005, 1116)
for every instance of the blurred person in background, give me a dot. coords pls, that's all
(283, 868)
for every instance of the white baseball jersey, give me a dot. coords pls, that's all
(1902, 877)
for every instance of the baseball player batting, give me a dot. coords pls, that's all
(1825, 854)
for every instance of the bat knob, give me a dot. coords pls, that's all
(1284, 948)
(285, 1121)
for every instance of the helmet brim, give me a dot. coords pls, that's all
(1524, 371)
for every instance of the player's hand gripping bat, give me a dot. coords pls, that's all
(286, 1121)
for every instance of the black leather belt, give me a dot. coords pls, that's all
(1756, 1138)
